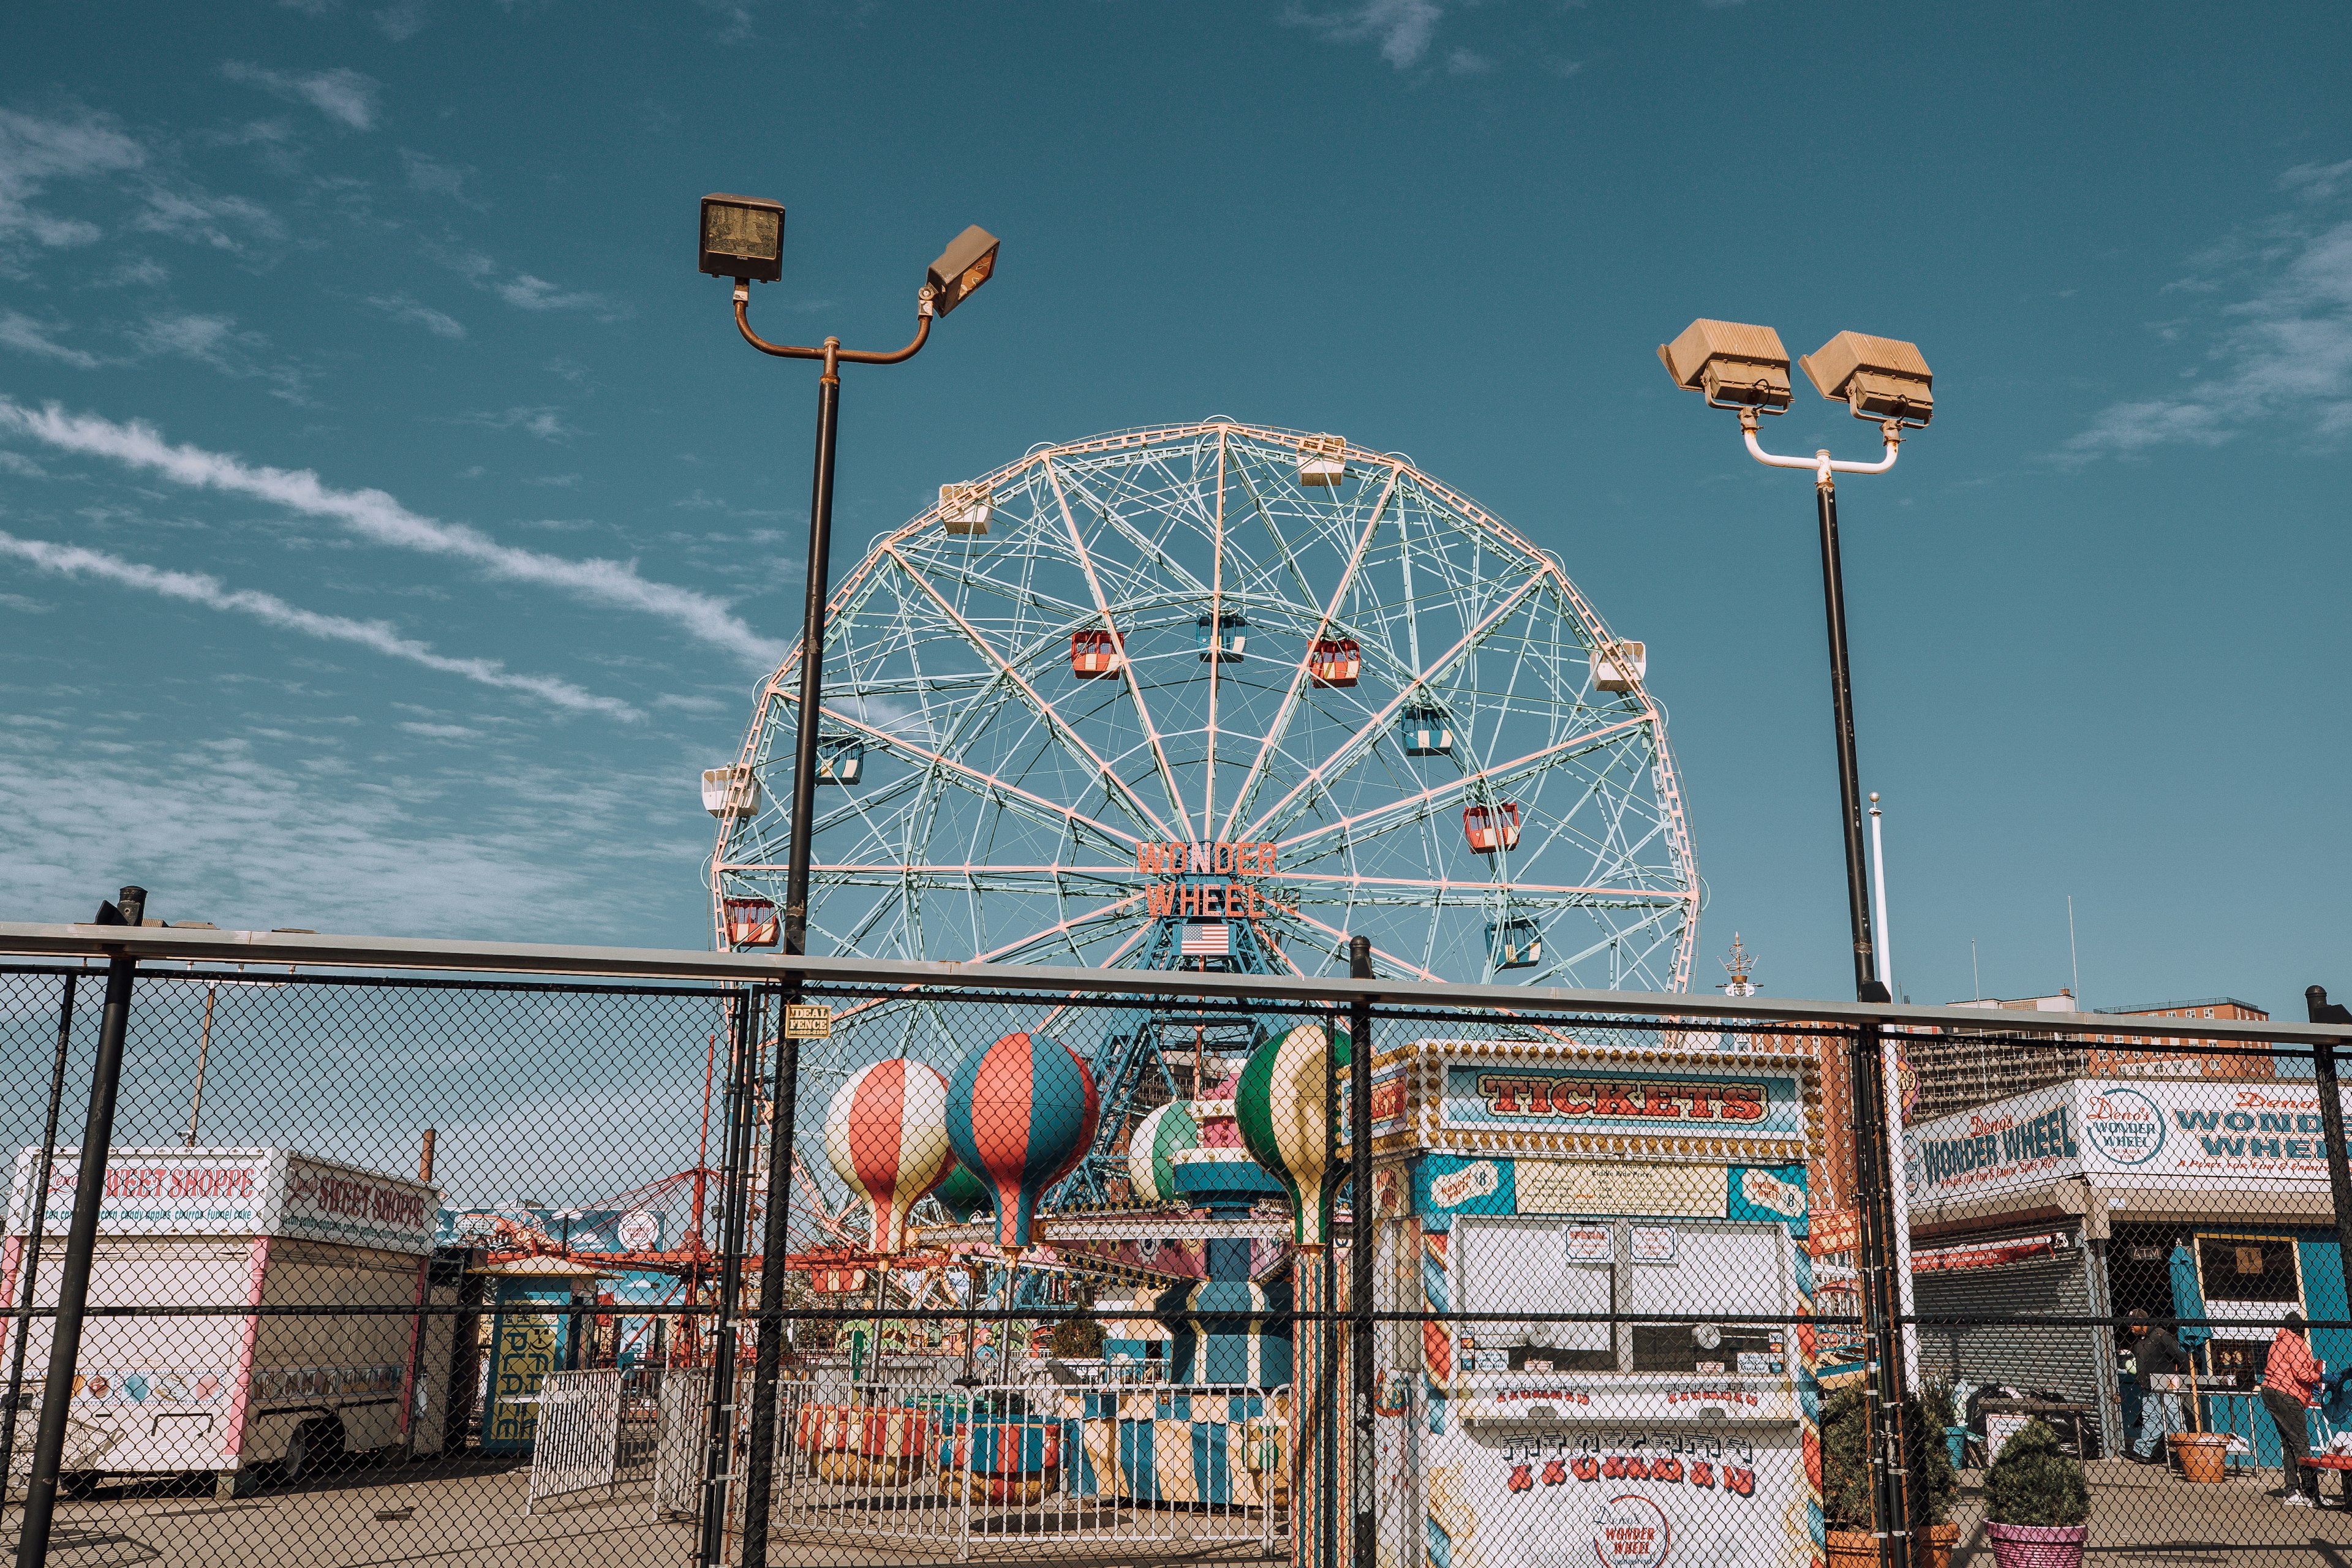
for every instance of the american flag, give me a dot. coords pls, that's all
(1208, 939)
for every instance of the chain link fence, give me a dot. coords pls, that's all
(391, 1267)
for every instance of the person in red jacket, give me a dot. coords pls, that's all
(2289, 1376)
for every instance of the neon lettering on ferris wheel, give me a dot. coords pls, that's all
(1183, 894)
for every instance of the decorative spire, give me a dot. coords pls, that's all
(1741, 964)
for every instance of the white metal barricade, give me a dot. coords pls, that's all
(682, 1425)
(576, 1446)
(1195, 1468)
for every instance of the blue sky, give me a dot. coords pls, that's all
(393, 525)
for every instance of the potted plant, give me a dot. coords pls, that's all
(1846, 1482)
(2036, 1504)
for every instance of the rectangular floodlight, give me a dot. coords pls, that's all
(1880, 378)
(968, 262)
(1735, 364)
(743, 236)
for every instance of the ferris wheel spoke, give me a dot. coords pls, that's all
(1614, 939)
(1280, 730)
(1005, 794)
(1070, 737)
(1119, 649)
(1063, 930)
(1414, 807)
(1272, 820)
(1380, 954)
(1154, 551)
(1303, 887)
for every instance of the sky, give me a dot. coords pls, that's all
(392, 525)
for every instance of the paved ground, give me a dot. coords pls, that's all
(2144, 1515)
(457, 1514)
(472, 1513)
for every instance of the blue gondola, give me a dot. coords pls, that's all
(1513, 943)
(1428, 733)
(1219, 637)
(840, 760)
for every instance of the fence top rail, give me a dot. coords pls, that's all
(432, 954)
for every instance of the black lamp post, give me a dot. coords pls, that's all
(742, 238)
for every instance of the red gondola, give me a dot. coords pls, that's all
(1093, 655)
(1492, 827)
(1335, 661)
(750, 922)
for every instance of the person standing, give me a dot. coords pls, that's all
(2289, 1376)
(2156, 1353)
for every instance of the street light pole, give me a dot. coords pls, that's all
(1744, 367)
(1857, 891)
(743, 238)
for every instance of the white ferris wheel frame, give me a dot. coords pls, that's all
(1154, 803)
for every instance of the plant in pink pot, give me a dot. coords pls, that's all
(2036, 1504)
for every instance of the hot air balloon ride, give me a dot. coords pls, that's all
(1021, 1111)
(885, 1133)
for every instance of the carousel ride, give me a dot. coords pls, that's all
(1213, 697)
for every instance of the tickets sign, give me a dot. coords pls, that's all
(1583, 1101)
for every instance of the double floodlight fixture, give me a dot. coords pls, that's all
(1737, 365)
(743, 238)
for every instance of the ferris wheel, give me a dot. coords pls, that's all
(1222, 696)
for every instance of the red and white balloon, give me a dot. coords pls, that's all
(885, 1133)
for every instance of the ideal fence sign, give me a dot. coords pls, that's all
(2122, 1133)
(233, 1191)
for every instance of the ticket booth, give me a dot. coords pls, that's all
(535, 1328)
(1655, 1198)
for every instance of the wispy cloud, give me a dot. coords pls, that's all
(223, 223)
(400, 21)
(401, 307)
(542, 420)
(526, 291)
(218, 341)
(377, 516)
(2282, 350)
(1403, 28)
(36, 151)
(26, 335)
(184, 822)
(202, 588)
(435, 178)
(343, 96)
(1467, 62)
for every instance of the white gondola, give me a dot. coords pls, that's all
(1322, 459)
(731, 790)
(966, 509)
(1616, 666)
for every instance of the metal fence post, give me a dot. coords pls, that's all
(1362, 1236)
(81, 1240)
(33, 1228)
(1895, 1474)
(2331, 1119)
(775, 1240)
(743, 1082)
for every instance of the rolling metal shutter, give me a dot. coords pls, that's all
(2065, 1361)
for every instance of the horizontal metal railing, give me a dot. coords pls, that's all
(181, 943)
